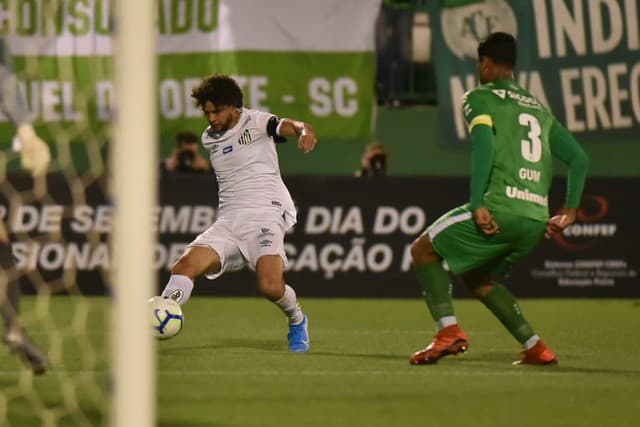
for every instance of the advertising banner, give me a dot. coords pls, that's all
(352, 239)
(580, 58)
(596, 255)
(310, 60)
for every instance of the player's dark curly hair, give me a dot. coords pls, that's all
(219, 89)
(500, 47)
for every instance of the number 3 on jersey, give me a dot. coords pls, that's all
(531, 148)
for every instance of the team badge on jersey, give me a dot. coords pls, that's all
(245, 138)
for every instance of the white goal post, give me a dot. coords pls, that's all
(133, 184)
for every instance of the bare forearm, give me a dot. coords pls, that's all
(306, 136)
(289, 127)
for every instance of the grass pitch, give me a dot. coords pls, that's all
(230, 367)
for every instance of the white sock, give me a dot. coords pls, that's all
(445, 321)
(179, 288)
(531, 342)
(289, 305)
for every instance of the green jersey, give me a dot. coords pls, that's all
(522, 168)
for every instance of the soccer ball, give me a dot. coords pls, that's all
(166, 317)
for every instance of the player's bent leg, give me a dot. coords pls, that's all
(422, 251)
(195, 261)
(436, 290)
(478, 282)
(504, 306)
(269, 273)
(434, 280)
(269, 270)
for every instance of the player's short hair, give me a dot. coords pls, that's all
(219, 89)
(500, 47)
(187, 137)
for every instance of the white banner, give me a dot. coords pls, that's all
(74, 28)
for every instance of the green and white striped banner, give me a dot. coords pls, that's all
(311, 60)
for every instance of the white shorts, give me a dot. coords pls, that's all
(241, 240)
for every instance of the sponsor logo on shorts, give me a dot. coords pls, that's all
(227, 149)
(265, 243)
(276, 203)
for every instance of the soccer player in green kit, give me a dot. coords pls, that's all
(514, 138)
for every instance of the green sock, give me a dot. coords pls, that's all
(436, 289)
(503, 305)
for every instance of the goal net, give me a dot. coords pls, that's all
(73, 249)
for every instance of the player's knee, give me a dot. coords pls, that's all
(479, 283)
(422, 250)
(481, 290)
(271, 287)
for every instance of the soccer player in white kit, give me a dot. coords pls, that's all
(255, 208)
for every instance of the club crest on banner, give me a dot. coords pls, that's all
(464, 26)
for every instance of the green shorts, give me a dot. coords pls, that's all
(457, 239)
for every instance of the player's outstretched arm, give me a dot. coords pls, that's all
(307, 139)
(566, 148)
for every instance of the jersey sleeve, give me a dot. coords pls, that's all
(476, 112)
(476, 109)
(481, 163)
(269, 123)
(568, 150)
(262, 120)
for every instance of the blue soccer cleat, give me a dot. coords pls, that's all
(299, 337)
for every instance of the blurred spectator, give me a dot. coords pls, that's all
(393, 47)
(185, 158)
(35, 157)
(404, 72)
(373, 161)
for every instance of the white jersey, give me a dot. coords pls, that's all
(245, 162)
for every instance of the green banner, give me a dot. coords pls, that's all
(581, 58)
(290, 66)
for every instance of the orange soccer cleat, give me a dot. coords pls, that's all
(539, 354)
(449, 340)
